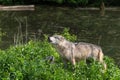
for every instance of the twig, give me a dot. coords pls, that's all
(26, 36)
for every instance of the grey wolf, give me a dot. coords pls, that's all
(75, 52)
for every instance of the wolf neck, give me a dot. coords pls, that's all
(65, 44)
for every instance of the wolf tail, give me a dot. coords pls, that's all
(100, 57)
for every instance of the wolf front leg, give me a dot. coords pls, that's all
(73, 63)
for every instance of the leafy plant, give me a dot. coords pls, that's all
(28, 62)
(69, 36)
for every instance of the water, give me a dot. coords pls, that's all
(89, 26)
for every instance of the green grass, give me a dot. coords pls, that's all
(27, 62)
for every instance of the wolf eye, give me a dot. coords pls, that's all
(56, 37)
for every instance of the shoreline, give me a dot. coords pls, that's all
(32, 8)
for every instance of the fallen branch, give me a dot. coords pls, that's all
(93, 8)
(17, 8)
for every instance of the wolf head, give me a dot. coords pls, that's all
(56, 39)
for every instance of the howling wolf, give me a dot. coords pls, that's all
(75, 52)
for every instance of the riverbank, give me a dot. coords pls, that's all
(32, 8)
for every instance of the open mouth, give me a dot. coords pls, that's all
(49, 40)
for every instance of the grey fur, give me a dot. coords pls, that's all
(74, 52)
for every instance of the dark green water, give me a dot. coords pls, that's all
(89, 26)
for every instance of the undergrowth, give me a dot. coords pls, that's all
(28, 62)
